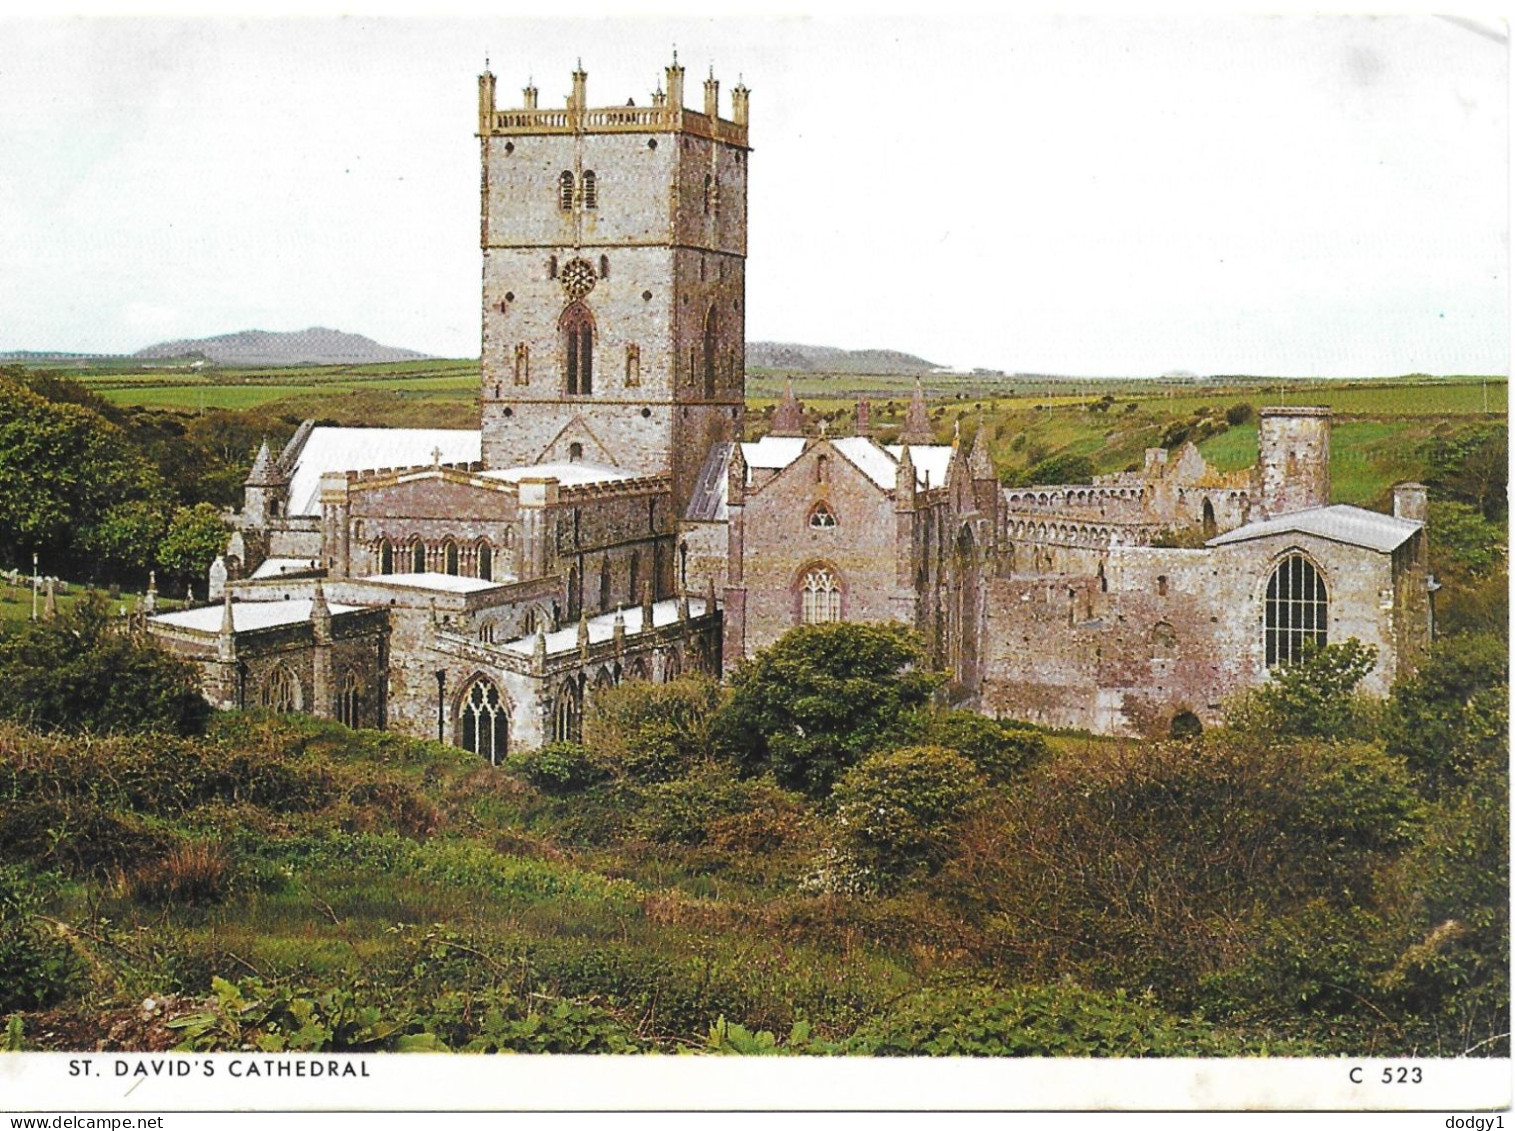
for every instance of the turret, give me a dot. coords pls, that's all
(712, 97)
(917, 428)
(675, 82)
(1410, 501)
(739, 95)
(789, 416)
(579, 98)
(736, 477)
(981, 470)
(486, 101)
(266, 489)
(904, 483)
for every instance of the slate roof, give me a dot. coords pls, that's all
(1341, 523)
(247, 615)
(368, 449)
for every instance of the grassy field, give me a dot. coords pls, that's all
(16, 600)
(1380, 430)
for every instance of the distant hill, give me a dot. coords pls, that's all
(315, 346)
(828, 359)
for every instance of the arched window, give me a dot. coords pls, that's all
(1164, 641)
(486, 562)
(565, 190)
(528, 622)
(574, 596)
(418, 556)
(450, 557)
(577, 330)
(565, 715)
(485, 724)
(820, 597)
(486, 632)
(604, 584)
(575, 452)
(604, 266)
(1294, 611)
(821, 517)
(710, 351)
(634, 585)
(386, 556)
(348, 701)
(633, 364)
(672, 666)
(281, 690)
(1207, 520)
(591, 190)
(822, 470)
(523, 365)
(552, 266)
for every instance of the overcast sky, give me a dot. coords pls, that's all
(1091, 195)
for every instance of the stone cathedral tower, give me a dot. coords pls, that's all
(614, 293)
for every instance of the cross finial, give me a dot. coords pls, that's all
(436, 456)
(675, 54)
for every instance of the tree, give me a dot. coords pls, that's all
(62, 469)
(1473, 467)
(1453, 714)
(822, 697)
(195, 536)
(78, 672)
(127, 535)
(1463, 543)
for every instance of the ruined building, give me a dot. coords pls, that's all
(607, 522)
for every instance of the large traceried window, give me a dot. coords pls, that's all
(577, 329)
(486, 726)
(1294, 611)
(820, 597)
(565, 715)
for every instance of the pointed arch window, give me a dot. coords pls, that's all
(591, 190)
(523, 364)
(820, 597)
(565, 715)
(349, 701)
(710, 351)
(281, 690)
(486, 562)
(604, 584)
(484, 723)
(565, 190)
(633, 594)
(633, 364)
(1294, 611)
(418, 556)
(450, 557)
(577, 330)
(386, 556)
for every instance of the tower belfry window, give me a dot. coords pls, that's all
(591, 190)
(565, 190)
(577, 328)
(710, 348)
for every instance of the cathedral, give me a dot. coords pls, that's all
(608, 521)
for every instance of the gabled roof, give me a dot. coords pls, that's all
(1341, 523)
(247, 615)
(368, 449)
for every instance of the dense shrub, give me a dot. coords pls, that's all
(561, 768)
(1453, 714)
(1057, 1020)
(197, 872)
(654, 731)
(78, 672)
(818, 700)
(76, 837)
(895, 811)
(1314, 697)
(1156, 864)
(713, 806)
(997, 749)
(37, 965)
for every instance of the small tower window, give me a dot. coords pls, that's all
(709, 193)
(634, 573)
(486, 562)
(604, 584)
(575, 452)
(710, 347)
(577, 329)
(386, 557)
(1162, 585)
(633, 364)
(604, 266)
(418, 556)
(552, 266)
(523, 364)
(565, 190)
(591, 190)
(450, 558)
